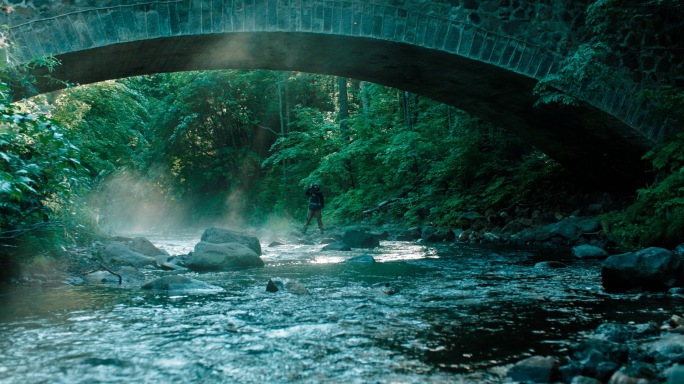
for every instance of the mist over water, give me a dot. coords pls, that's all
(457, 314)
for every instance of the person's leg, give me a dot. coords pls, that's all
(309, 216)
(319, 218)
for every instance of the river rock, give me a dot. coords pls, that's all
(177, 283)
(360, 239)
(365, 259)
(220, 235)
(573, 227)
(638, 373)
(653, 269)
(337, 246)
(549, 265)
(411, 234)
(224, 256)
(432, 234)
(292, 286)
(586, 251)
(145, 247)
(271, 286)
(119, 254)
(584, 380)
(675, 374)
(668, 349)
(129, 275)
(567, 231)
(536, 369)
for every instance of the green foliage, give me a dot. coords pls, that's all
(39, 169)
(657, 215)
(582, 75)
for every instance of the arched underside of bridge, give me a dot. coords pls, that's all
(596, 147)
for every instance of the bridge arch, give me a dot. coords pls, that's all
(415, 45)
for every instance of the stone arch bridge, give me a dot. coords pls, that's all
(484, 57)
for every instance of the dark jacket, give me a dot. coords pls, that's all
(316, 199)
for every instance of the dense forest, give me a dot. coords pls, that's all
(238, 147)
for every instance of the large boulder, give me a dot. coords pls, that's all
(652, 269)
(119, 254)
(220, 235)
(224, 256)
(360, 239)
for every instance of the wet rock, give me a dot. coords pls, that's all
(361, 260)
(288, 285)
(584, 380)
(220, 235)
(572, 227)
(586, 251)
(336, 246)
(550, 265)
(145, 247)
(491, 237)
(328, 240)
(389, 290)
(679, 250)
(676, 291)
(271, 286)
(171, 267)
(296, 287)
(129, 275)
(676, 321)
(622, 333)
(275, 244)
(668, 349)
(675, 375)
(360, 239)
(381, 235)
(536, 369)
(177, 283)
(653, 269)
(215, 257)
(432, 234)
(639, 373)
(411, 234)
(514, 226)
(119, 254)
(567, 231)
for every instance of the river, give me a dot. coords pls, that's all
(460, 314)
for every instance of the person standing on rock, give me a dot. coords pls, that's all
(316, 204)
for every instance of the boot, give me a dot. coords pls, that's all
(304, 230)
(322, 231)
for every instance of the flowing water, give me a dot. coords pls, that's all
(461, 313)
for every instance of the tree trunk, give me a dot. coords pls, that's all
(343, 100)
(282, 121)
